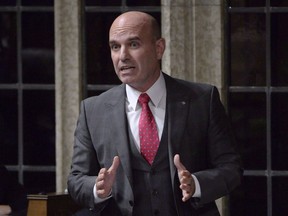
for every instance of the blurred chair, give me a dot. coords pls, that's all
(51, 204)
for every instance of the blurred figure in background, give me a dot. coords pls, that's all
(13, 197)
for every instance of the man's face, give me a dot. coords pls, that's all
(135, 52)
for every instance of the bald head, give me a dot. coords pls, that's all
(136, 49)
(138, 20)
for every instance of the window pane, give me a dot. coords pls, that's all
(246, 3)
(248, 50)
(280, 196)
(38, 48)
(38, 66)
(248, 117)
(7, 2)
(279, 131)
(8, 48)
(39, 127)
(39, 182)
(14, 174)
(103, 2)
(100, 69)
(91, 93)
(8, 127)
(251, 198)
(143, 3)
(38, 30)
(37, 2)
(279, 3)
(279, 52)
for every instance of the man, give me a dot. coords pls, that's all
(195, 161)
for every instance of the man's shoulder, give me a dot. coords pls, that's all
(111, 97)
(108, 95)
(187, 86)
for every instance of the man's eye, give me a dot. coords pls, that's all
(114, 47)
(134, 44)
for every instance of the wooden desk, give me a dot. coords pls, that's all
(53, 204)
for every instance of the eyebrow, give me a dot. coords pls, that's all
(129, 39)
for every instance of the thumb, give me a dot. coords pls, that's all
(178, 163)
(115, 164)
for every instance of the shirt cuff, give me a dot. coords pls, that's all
(197, 193)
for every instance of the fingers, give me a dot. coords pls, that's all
(187, 184)
(186, 196)
(185, 177)
(101, 174)
(115, 165)
(101, 188)
(106, 178)
(178, 163)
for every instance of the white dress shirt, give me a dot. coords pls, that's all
(157, 105)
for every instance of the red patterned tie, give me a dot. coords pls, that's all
(148, 134)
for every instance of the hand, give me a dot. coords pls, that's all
(187, 184)
(106, 178)
(5, 210)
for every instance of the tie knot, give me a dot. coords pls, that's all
(144, 98)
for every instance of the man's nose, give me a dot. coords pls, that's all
(124, 54)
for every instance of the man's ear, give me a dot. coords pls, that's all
(160, 48)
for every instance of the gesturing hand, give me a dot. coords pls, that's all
(106, 178)
(187, 184)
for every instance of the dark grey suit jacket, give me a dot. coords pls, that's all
(198, 130)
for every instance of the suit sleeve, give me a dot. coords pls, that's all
(85, 166)
(224, 170)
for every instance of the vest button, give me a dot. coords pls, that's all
(131, 203)
(155, 192)
(156, 212)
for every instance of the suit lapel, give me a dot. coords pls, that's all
(177, 113)
(118, 125)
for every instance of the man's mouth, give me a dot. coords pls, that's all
(123, 68)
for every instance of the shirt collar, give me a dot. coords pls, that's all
(155, 92)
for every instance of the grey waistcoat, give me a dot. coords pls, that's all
(152, 187)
